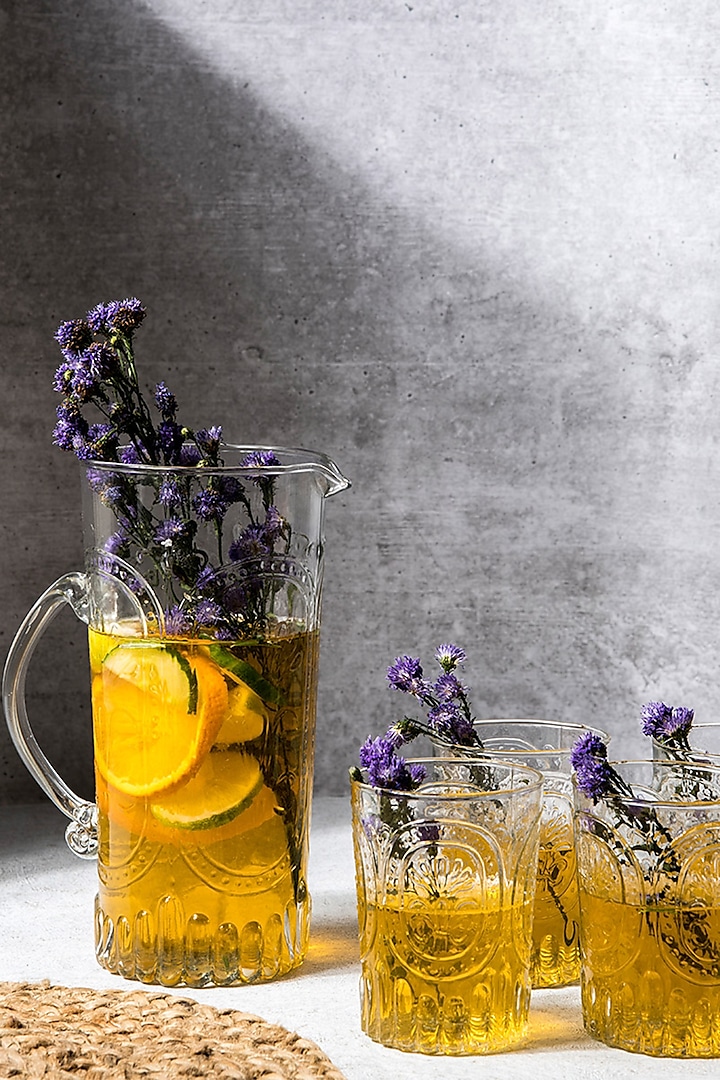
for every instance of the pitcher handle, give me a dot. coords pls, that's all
(81, 834)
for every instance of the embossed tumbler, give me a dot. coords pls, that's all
(704, 740)
(445, 884)
(649, 884)
(545, 745)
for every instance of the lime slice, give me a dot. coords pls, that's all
(225, 784)
(245, 719)
(153, 668)
(155, 716)
(244, 672)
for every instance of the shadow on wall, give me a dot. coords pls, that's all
(293, 305)
(275, 279)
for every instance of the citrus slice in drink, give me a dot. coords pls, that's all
(245, 719)
(222, 788)
(100, 642)
(242, 671)
(156, 713)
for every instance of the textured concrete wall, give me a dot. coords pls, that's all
(470, 250)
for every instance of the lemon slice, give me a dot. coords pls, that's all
(156, 713)
(245, 719)
(225, 784)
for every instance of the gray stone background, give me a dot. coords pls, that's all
(468, 249)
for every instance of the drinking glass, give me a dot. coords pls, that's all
(704, 741)
(545, 745)
(649, 888)
(445, 883)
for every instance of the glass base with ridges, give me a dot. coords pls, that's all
(171, 947)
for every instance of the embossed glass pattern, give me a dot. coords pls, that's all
(221, 899)
(545, 745)
(704, 741)
(445, 883)
(649, 883)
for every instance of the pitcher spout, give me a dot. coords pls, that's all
(283, 460)
(333, 477)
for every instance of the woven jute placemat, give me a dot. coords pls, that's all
(67, 1033)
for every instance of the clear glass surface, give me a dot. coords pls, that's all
(203, 656)
(649, 885)
(546, 745)
(445, 885)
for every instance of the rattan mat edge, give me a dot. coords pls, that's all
(69, 1032)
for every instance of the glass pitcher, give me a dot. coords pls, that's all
(202, 597)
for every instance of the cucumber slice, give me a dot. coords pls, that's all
(246, 673)
(225, 784)
(154, 668)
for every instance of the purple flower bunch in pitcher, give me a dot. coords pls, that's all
(165, 516)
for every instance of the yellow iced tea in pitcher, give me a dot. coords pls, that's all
(201, 748)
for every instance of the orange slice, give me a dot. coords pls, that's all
(223, 787)
(156, 713)
(136, 819)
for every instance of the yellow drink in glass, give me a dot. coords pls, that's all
(202, 590)
(545, 745)
(643, 989)
(202, 757)
(445, 878)
(435, 980)
(649, 887)
(555, 957)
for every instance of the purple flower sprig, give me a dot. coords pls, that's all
(392, 777)
(596, 777)
(598, 780)
(384, 768)
(668, 725)
(103, 418)
(449, 718)
(98, 372)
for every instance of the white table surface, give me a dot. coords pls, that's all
(46, 902)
